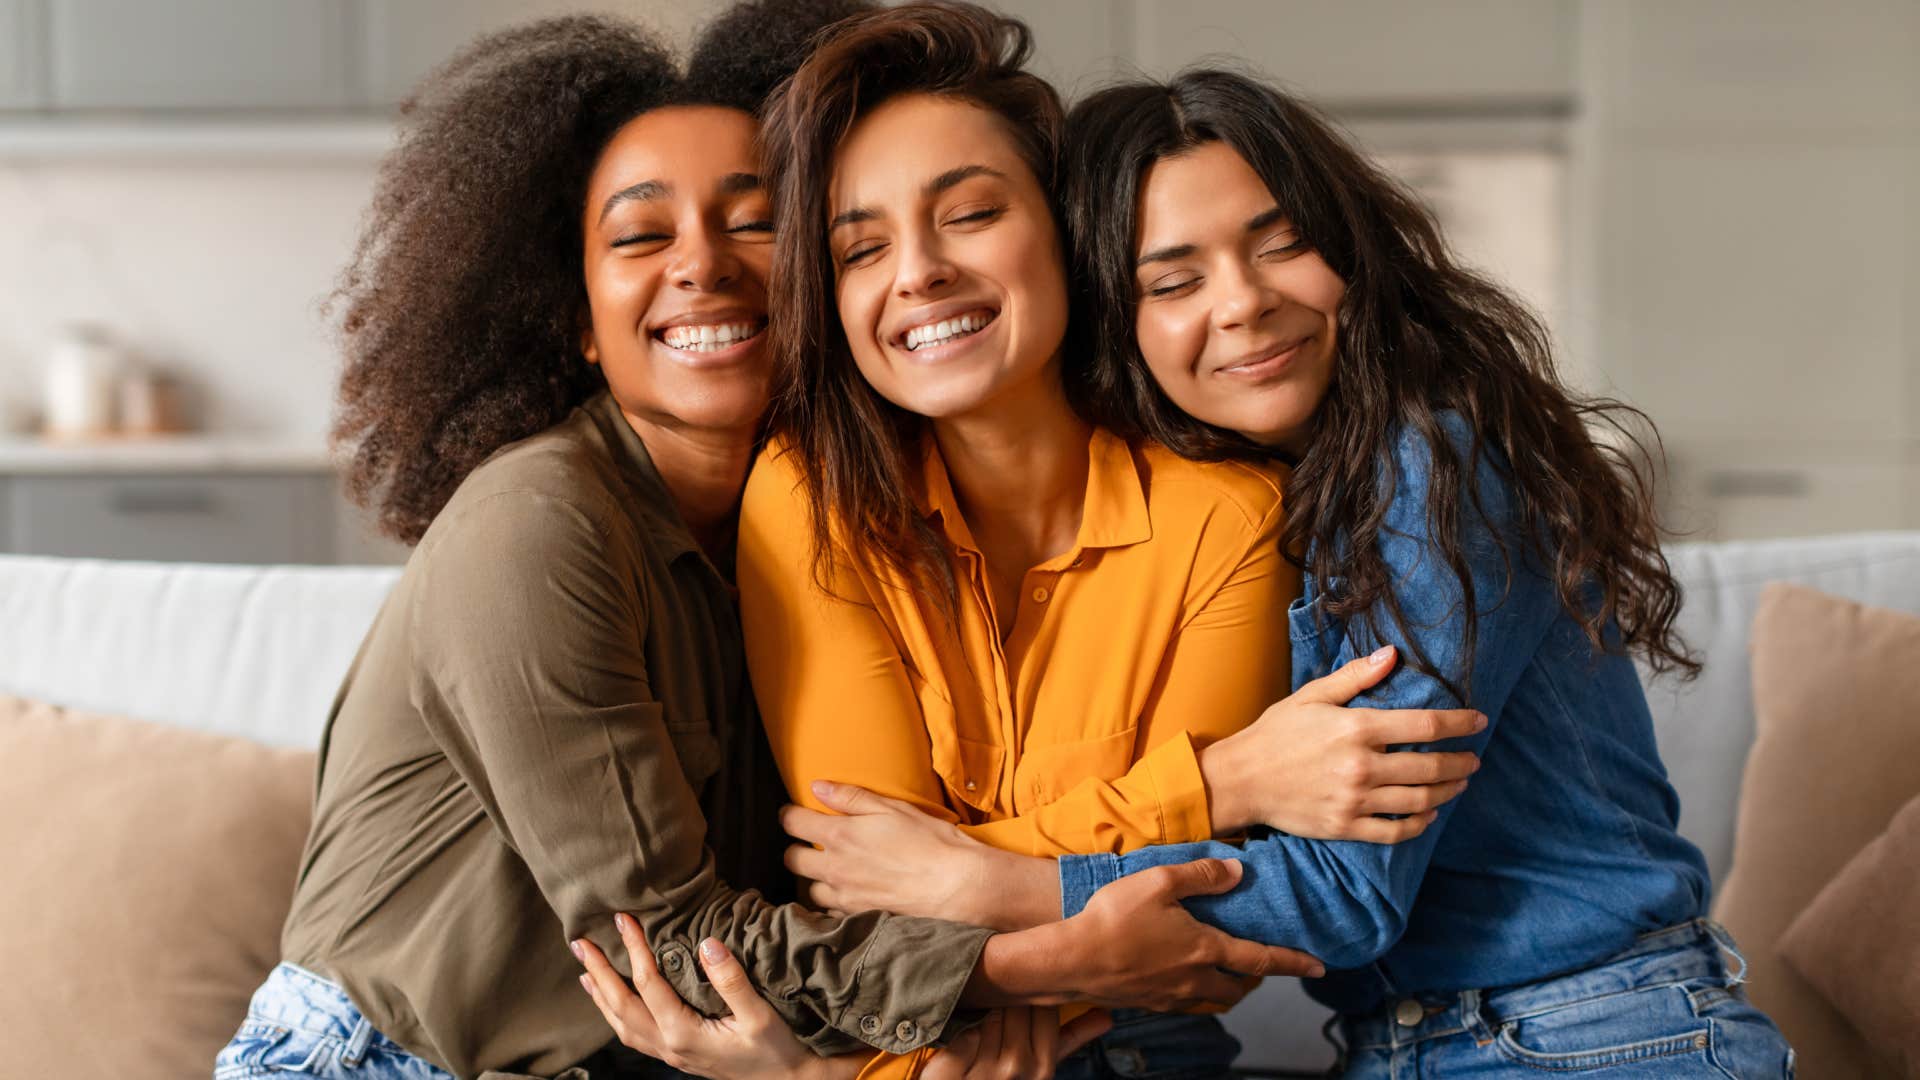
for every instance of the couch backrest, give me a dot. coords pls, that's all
(259, 651)
(239, 650)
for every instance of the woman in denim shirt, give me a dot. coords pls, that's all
(1255, 289)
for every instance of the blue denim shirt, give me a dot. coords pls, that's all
(1562, 850)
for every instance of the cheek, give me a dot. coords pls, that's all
(1171, 344)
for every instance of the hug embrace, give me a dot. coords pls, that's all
(1145, 559)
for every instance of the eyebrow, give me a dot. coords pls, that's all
(643, 191)
(647, 190)
(1175, 252)
(946, 181)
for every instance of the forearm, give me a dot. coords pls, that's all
(1026, 967)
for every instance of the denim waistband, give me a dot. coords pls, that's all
(299, 1000)
(1690, 950)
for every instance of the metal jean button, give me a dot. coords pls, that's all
(1409, 1013)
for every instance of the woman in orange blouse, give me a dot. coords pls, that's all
(957, 591)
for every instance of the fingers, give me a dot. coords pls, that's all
(1411, 800)
(1342, 686)
(804, 860)
(1392, 727)
(811, 826)
(662, 1000)
(1201, 877)
(624, 1012)
(847, 798)
(992, 1033)
(730, 981)
(1372, 830)
(1408, 768)
(1075, 1034)
(1252, 958)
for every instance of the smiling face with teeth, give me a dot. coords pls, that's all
(678, 238)
(949, 278)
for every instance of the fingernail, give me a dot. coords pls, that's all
(1481, 724)
(712, 951)
(625, 922)
(1315, 972)
(1380, 655)
(821, 789)
(579, 953)
(586, 984)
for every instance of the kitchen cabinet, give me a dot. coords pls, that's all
(1754, 164)
(22, 47)
(400, 42)
(1392, 54)
(201, 55)
(183, 517)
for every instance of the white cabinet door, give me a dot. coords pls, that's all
(1405, 53)
(23, 46)
(201, 54)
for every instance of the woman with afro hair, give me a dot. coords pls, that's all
(553, 389)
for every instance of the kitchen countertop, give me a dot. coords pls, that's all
(198, 452)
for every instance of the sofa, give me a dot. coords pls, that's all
(248, 658)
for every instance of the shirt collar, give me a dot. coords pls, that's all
(652, 503)
(1113, 513)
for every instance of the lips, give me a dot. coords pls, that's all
(710, 332)
(939, 325)
(1263, 361)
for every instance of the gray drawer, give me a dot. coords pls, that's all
(225, 518)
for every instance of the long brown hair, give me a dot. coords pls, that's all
(1421, 337)
(858, 451)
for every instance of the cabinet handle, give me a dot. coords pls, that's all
(162, 502)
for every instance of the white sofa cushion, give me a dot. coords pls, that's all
(238, 650)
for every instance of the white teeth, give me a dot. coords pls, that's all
(939, 333)
(707, 338)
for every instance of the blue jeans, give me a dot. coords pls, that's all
(1666, 1007)
(300, 1023)
(1155, 1046)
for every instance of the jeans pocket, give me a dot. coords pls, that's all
(263, 1048)
(1631, 1028)
(1742, 1042)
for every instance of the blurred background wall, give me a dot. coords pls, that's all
(1715, 204)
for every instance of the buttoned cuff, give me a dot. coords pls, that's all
(1174, 766)
(1081, 876)
(910, 979)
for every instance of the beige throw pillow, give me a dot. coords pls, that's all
(147, 872)
(1836, 752)
(1859, 941)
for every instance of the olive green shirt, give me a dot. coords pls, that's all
(519, 751)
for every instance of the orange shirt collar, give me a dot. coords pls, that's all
(1114, 513)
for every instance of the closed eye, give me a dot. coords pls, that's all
(640, 238)
(753, 226)
(1172, 288)
(859, 254)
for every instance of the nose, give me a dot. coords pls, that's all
(702, 261)
(921, 267)
(1245, 301)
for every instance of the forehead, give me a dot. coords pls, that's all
(894, 149)
(690, 147)
(1207, 190)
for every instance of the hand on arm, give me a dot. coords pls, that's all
(648, 1016)
(1313, 768)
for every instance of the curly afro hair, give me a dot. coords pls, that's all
(459, 310)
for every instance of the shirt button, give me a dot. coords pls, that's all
(1409, 1013)
(1040, 595)
(971, 785)
(870, 1025)
(671, 961)
(905, 1031)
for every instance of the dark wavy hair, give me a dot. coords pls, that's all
(1420, 336)
(459, 312)
(858, 451)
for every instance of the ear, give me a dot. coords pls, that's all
(589, 346)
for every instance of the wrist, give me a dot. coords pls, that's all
(1026, 967)
(1015, 892)
(1228, 787)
